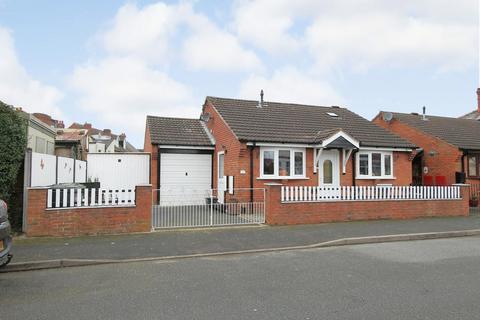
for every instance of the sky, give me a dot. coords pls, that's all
(111, 63)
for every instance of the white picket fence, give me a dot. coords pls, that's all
(369, 193)
(77, 197)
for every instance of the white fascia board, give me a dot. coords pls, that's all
(207, 131)
(280, 145)
(185, 147)
(384, 149)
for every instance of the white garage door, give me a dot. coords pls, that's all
(185, 178)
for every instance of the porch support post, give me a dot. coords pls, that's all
(316, 157)
(345, 157)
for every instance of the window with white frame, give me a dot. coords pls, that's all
(282, 163)
(375, 165)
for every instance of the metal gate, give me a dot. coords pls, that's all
(191, 207)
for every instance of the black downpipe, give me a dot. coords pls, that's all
(251, 172)
(354, 168)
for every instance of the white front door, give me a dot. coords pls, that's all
(222, 181)
(329, 169)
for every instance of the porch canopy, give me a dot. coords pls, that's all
(334, 139)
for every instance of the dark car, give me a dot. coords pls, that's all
(5, 238)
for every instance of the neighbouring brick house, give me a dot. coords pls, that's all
(250, 143)
(450, 147)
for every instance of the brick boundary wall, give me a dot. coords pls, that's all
(90, 220)
(278, 213)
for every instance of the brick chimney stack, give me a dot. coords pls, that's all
(478, 100)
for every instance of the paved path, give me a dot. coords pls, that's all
(183, 242)
(433, 279)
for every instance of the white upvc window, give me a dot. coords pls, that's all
(374, 165)
(282, 163)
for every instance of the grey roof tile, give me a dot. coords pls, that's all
(297, 123)
(177, 131)
(462, 133)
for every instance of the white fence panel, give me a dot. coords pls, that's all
(65, 170)
(372, 193)
(68, 198)
(119, 170)
(43, 169)
(80, 171)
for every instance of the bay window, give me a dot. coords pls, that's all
(374, 165)
(282, 163)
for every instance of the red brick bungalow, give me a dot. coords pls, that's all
(450, 147)
(253, 142)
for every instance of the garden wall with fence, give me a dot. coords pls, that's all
(75, 212)
(303, 205)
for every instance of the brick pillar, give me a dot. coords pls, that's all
(465, 194)
(36, 204)
(272, 201)
(143, 203)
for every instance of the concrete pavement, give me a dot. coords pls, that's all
(200, 241)
(434, 279)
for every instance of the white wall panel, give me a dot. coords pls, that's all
(65, 170)
(43, 169)
(119, 170)
(80, 171)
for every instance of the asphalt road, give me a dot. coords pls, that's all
(431, 279)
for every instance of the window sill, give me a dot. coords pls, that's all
(375, 178)
(282, 178)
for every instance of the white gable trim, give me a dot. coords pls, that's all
(343, 134)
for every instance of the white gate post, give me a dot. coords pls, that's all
(211, 207)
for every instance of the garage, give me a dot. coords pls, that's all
(182, 160)
(185, 175)
(182, 178)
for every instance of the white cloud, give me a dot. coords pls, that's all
(123, 91)
(291, 85)
(389, 39)
(212, 49)
(144, 33)
(159, 33)
(362, 34)
(266, 24)
(19, 88)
